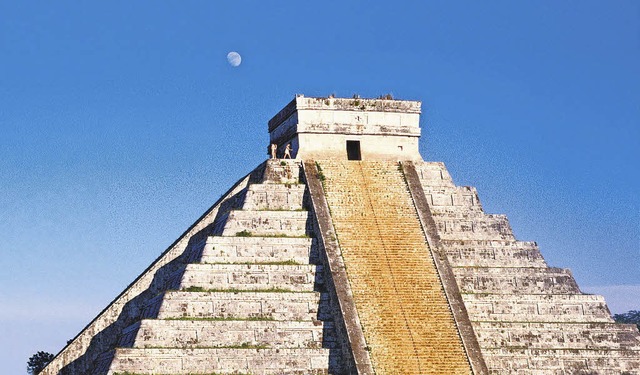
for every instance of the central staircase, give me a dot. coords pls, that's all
(407, 323)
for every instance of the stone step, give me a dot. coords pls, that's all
(231, 277)
(225, 361)
(538, 335)
(518, 280)
(268, 223)
(260, 250)
(487, 227)
(537, 308)
(387, 239)
(561, 361)
(493, 254)
(183, 333)
(262, 197)
(458, 212)
(280, 171)
(433, 174)
(245, 305)
(453, 200)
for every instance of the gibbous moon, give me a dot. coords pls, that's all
(234, 58)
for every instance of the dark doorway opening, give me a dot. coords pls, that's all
(353, 150)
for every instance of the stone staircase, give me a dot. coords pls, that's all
(253, 302)
(405, 316)
(529, 318)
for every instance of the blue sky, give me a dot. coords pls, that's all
(120, 123)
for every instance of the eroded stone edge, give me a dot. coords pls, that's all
(461, 317)
(339, 284)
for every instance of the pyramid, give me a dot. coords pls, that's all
(354, 257)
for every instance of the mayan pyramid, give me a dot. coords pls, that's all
(354, 257)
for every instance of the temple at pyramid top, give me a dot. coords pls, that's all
(350, 129)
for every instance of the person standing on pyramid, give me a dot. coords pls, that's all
(274, 148)
(287, 151)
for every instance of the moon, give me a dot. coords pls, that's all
(234, 58)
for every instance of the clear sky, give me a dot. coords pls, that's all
(122, 122)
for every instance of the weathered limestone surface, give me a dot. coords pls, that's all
(268, 223)
(246, 305)
(470, 253)
(275, 197)
(212, 360)
(153, 333)
(529, 318)
(515, 280)
(522, 307)
(250, 277)
(259, 249)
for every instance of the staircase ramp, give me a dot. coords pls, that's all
(406, 319)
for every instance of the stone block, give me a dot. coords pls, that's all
(434, 174)
(516, 280)
(537, 308)
(493, 254)
(274, 197)
(230, 333)
(245, 305)
(537, 335)
(281, 171)
(204, 361)
(251, 277)
(260, 250)
(268, 223)
(486, 227)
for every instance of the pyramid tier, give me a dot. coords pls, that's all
(593, 336)
(262, 197)
(260, 250)
(185, 333)
(527, 361)
(247, 277)
(538, 308)
(493, 253)
(222, 361)
(245, 305)
(267, 223)
(516, 280)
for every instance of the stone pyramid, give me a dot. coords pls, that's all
(354, 257)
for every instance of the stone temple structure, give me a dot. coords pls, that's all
(354, 257)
